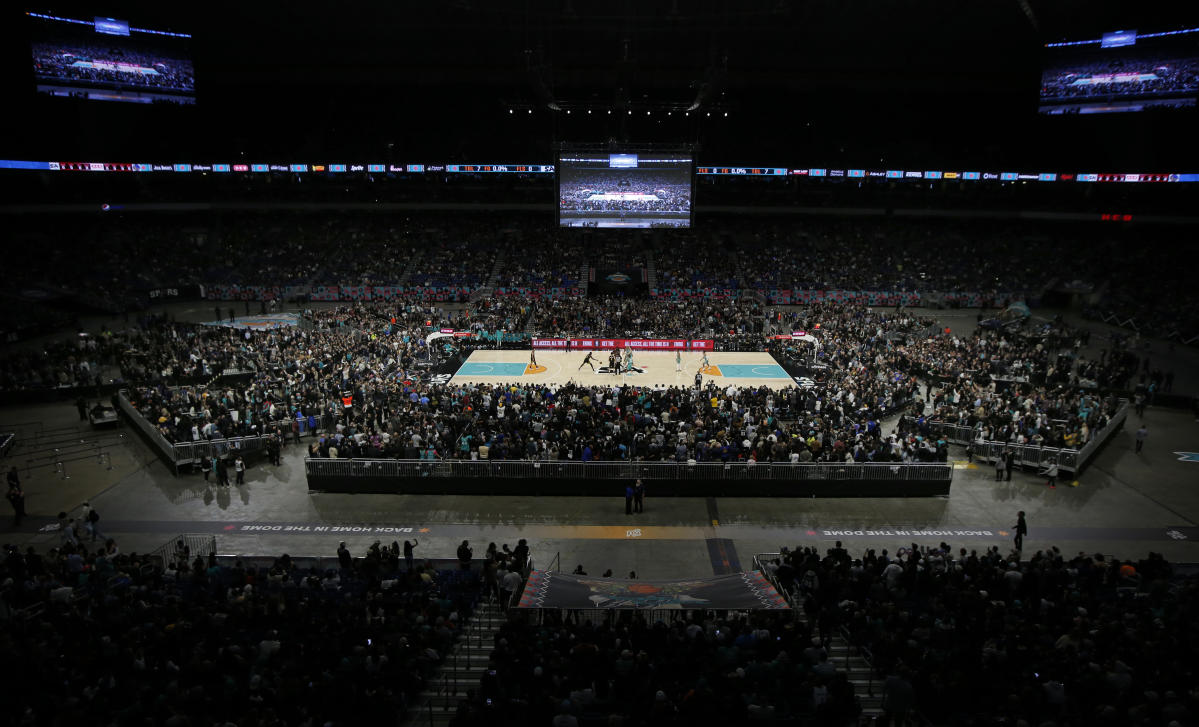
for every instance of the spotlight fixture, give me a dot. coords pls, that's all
(530, 110)
(630, 112)
(568, 112)
(709, 113)
(511, 111)
(588, 112)
(609, 112)
(726, 113)
(647, 113)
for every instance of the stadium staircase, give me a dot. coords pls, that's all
(494, 279)
(843, 655)
(867, 687)
(739, 272)
(584, 276)
(409, 269)
(651, 269)
(461, 670)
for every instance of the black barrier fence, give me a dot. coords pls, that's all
(524, 477)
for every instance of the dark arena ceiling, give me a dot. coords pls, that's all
(766, 82)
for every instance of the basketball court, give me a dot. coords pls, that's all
(650, 368)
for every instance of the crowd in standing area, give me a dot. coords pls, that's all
(104, 637)
(994, 638)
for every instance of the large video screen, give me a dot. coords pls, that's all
(624, 190)
(111, 59)
(1121, 71)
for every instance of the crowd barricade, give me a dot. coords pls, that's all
(1031, 455)
(179, 454)
(197, 546)
(606, 478)
(619, 470)
(148, 431)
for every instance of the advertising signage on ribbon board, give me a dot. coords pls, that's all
(640, 344)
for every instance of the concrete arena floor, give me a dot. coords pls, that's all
(1125, 505)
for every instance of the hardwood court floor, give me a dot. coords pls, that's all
(653, 368)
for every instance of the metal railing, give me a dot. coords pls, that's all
(196, 546)
(1067, 458)
(153, 436)
(536, 469)
(183, 453)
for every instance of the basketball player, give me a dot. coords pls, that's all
(678, 361)
(533, 358)
(587, 362)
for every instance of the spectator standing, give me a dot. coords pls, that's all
(222, 472)
(344, 560)
(1142, 435)
(81, 405)
(520, 556)
(1009, 461)
(1021, 530)
(409, 556)
(639, 497)
(628, 499)
(239, 466)
(16, 497)
(92, 524)
(1051, 475)
(511, 584)
(206, 467)
(899, 697)
(465, 554)
(999, 466)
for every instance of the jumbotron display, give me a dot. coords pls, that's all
(107, 60)
(1122, 71)
(624, 190)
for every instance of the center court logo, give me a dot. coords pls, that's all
(618, 278)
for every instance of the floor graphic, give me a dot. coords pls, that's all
(632, 530)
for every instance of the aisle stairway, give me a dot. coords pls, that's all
(462, 669)
(493, 280)
(844, 656)
(867, 687)
(409, 269)
(651, 269)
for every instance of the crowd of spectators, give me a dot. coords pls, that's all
(106, 637)
(79, 362)
(691, 262)
(701, 669)
(253, 254)
(611, 316)
(897, 255)
(995, 638)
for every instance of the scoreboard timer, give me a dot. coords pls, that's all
(501, 168)
(747, 171)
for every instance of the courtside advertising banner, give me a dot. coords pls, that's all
(638, 344)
